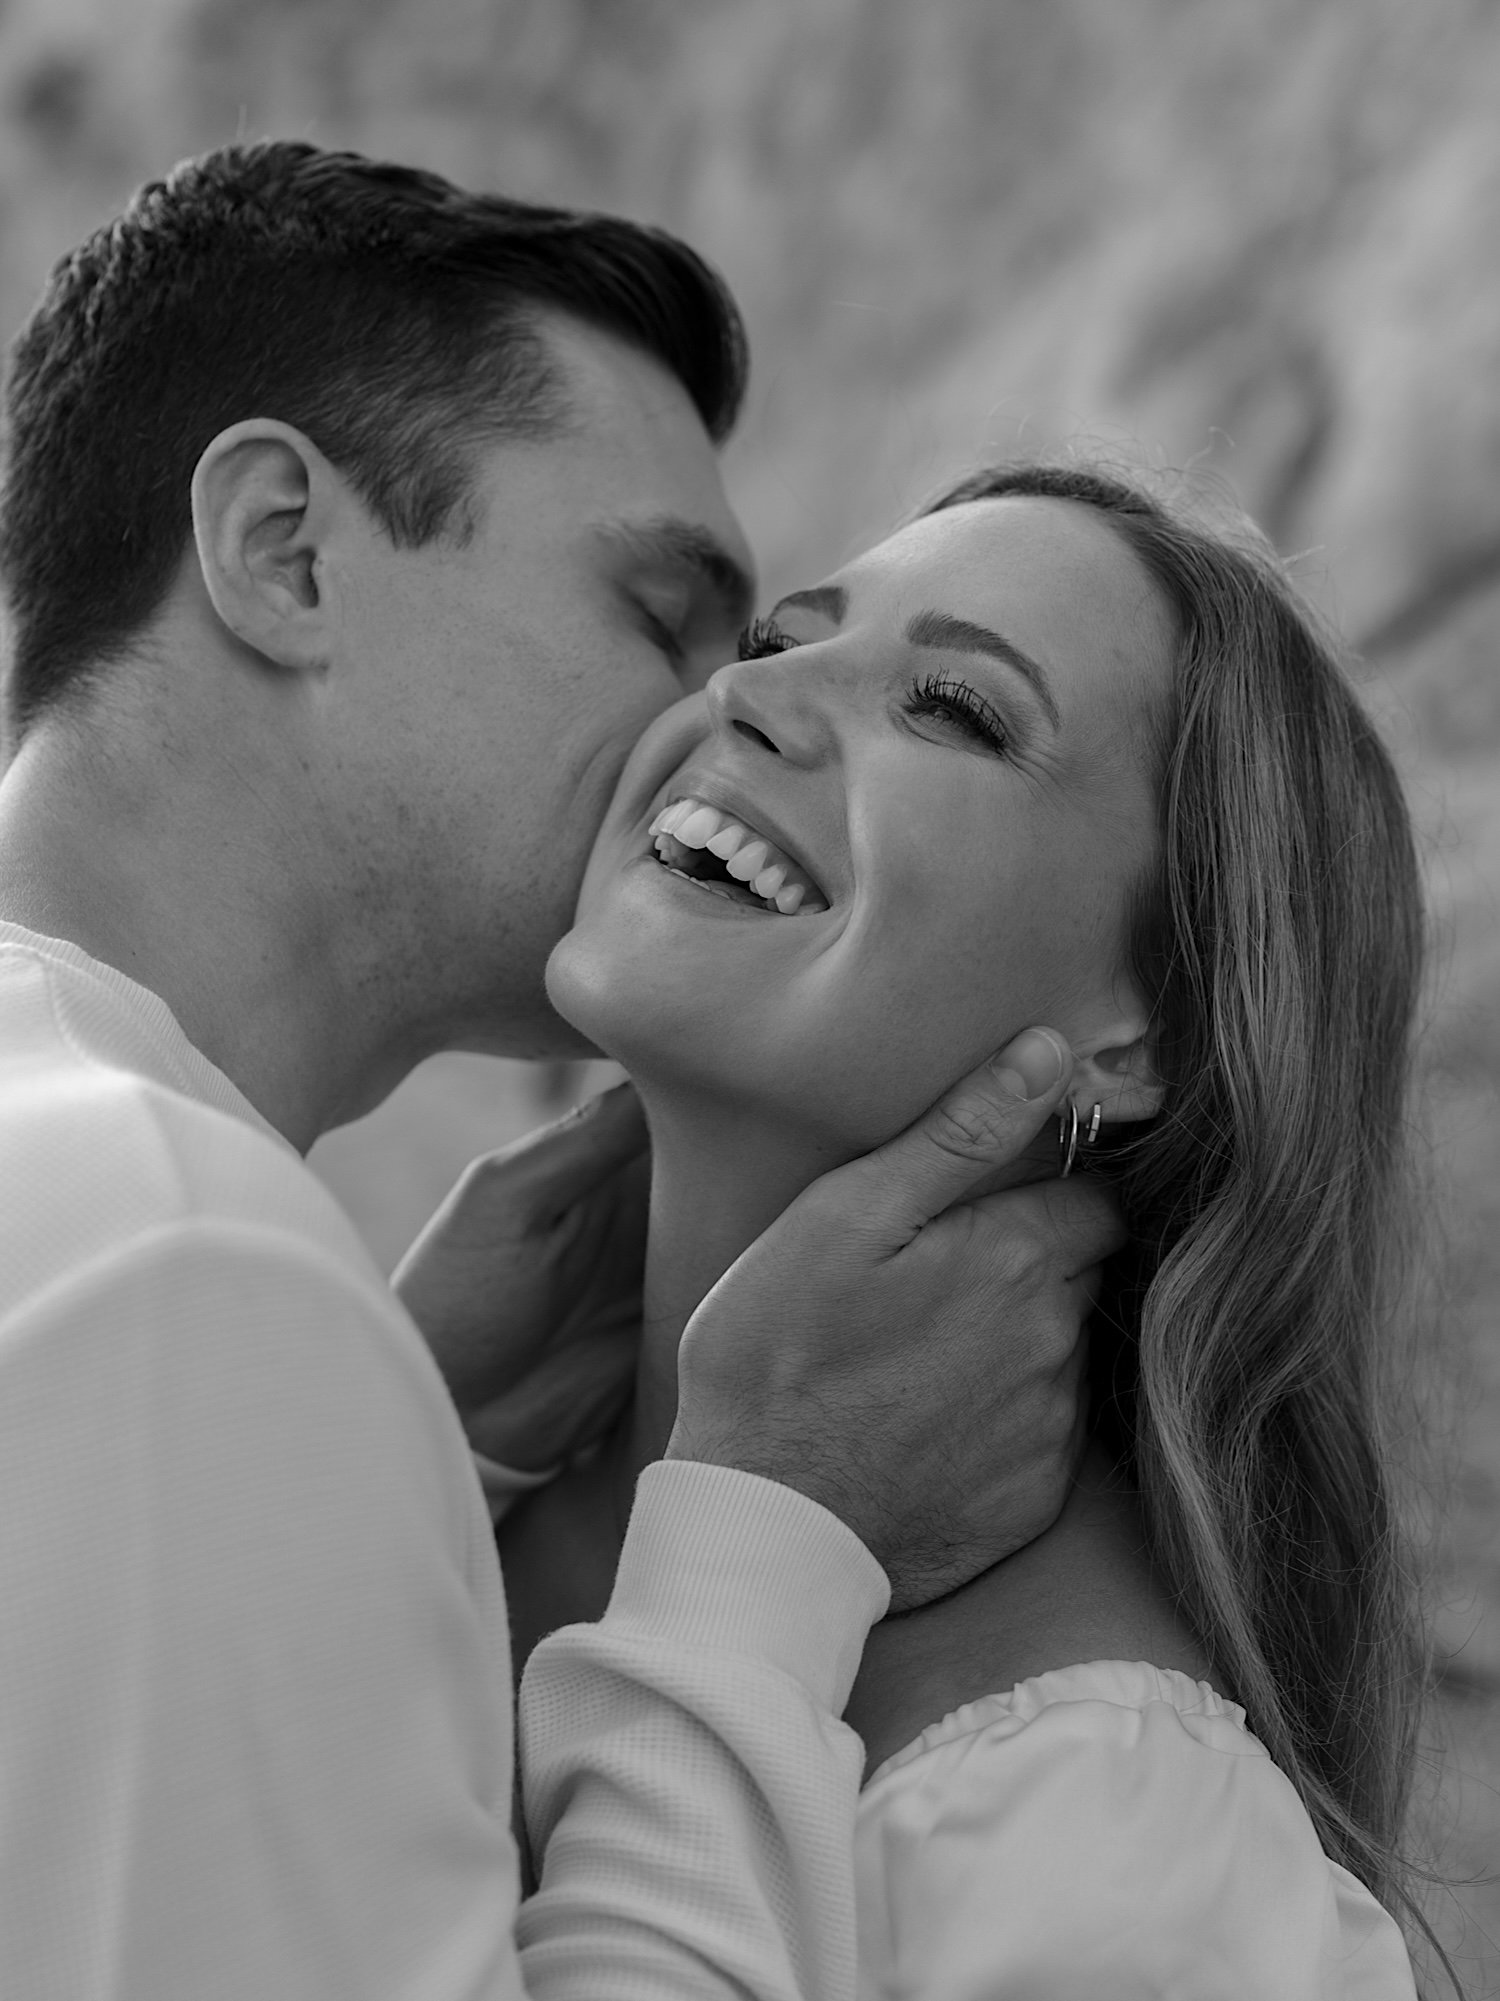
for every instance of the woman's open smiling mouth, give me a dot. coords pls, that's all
(718, 852)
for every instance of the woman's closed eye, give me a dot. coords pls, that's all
(761, 638)
(939, 697)
(954, 703)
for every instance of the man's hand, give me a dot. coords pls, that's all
(913, 1365)
(527, 1284)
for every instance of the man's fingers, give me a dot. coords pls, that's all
(982, 1123)
(521, 1188)
(1080, 1216)
(545, 1172)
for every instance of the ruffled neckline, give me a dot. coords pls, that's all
(1126, 1684)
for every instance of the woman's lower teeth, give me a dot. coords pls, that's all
(769, 884)
(786, 900)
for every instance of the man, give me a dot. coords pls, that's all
(354, 528)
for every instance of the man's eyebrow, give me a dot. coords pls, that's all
(673, 544)
(831, 599)
(958, 635)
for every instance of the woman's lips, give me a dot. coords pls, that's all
(707, 844)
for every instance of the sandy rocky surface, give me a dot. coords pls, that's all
(1257, 237)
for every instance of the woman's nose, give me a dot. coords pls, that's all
(772, 705)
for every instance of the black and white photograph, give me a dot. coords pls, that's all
(750, 1000)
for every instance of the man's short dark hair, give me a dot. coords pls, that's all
(389, 315)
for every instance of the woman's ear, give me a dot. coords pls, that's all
(263, 499)
(1117, 1071)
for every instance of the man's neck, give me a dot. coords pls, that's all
(159, 870)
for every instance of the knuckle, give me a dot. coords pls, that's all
(826, 1231)
(495, 1182)
(820, 1204)
(489, 1171)
(968, 1127)
(1028, 1254)
(1060, 1348)
(1058, 1415)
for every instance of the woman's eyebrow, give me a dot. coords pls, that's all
(958, 635)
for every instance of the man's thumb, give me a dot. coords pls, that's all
(984, 1122)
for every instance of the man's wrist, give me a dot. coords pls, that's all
(715, 1557)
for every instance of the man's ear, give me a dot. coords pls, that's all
(263, 501)
(1116, 1070)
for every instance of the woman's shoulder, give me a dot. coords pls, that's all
(1103, 1702)
(1109, 1827)
(1085, 1590)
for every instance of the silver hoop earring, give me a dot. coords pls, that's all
(1070, 1139)
(1067, 1140)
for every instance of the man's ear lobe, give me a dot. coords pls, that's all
(262, 501)
(1117, 1071)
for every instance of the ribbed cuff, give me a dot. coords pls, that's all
(715, 1557)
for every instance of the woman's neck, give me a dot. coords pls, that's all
(1083, 1590)
(719, 1178)
(721, 1175)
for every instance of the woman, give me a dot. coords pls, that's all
(1051, 754)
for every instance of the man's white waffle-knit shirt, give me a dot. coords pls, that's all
(255, 1714)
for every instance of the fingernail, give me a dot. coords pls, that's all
(1032, 1064)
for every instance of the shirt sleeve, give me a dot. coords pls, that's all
(255, 1740)
(256, 1735)
(1094, 1849)
(688, 1784)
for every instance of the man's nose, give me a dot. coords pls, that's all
(774, 706)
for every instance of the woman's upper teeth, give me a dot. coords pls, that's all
(748, 856)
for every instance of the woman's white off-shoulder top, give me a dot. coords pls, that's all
(1109, 1830)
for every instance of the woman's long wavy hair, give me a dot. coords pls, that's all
(1280, 943)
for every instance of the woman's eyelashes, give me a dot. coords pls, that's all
(944, 700)
(763, 637)
(938, 697)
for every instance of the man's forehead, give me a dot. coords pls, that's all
(619, 402)
(671, 545)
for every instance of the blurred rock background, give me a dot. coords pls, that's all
(1257, 236)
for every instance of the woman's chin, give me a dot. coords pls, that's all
(582, 994)
(708, 1045)
(618, 995)
(672, 1035)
